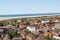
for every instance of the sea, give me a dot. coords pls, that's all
(30, 15)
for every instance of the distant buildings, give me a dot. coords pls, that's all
(33, 27)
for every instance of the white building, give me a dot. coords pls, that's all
(46, 21)
(56, 21)
(43, 22)
(31, 28)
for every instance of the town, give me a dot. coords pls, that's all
(31, 28)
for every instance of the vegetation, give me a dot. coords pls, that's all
(28, 32)
(12, 33)
(1, 24)
(36, 35)
(49, 37)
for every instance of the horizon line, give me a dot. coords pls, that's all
(14, 15)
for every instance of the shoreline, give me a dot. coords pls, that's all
(7, 18)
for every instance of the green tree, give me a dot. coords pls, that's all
(1, 24)
(12, 33)
(49, 37)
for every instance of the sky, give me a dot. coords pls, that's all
(29, 6)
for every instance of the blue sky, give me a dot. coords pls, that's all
(29, 6)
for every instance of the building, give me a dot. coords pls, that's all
(31, 28)
(30, 37)
(22, 26)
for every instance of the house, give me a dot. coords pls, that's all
(44, 21)
(31, 28)
(30, 37)
(40, 26)
(49, 26)
(54, 20)
(22, 26)
(57, 24)
(23, 34)
(46, 33)
(6, 37)
(39, 38)
(17, 38)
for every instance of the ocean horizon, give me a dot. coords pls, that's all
(44, 14)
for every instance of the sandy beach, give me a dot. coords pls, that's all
(6, 18)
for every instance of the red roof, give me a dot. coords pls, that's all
(22, 26)
(49, 25)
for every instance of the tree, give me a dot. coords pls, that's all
(49, 37)
(1, 24)
(12, 33)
